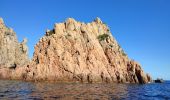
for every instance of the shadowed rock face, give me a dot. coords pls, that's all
(79, 52)
(12, 53)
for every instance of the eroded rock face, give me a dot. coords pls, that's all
(12, 53)
(75, 51)
(80, 52)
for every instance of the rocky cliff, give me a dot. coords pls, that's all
(80, 52)
(12, 53)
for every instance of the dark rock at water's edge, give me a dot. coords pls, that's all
(159, 80)
(78, 52)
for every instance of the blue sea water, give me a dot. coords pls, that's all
(20, 90)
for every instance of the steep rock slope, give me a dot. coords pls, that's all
(75, 51)
(79, 52)
(12, 53)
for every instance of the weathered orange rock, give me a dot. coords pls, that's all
(79, 52)
(12, 53)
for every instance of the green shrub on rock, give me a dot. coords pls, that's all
(103, 37)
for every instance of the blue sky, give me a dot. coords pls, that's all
(142, 27)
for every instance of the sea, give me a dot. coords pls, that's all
(21, 90)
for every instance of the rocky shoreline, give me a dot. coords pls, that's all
(73, 52)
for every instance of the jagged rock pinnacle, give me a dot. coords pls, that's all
(80, 52)
(11, 51)
(98, 20)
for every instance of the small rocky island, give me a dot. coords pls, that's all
(71, 52)
(159, 80)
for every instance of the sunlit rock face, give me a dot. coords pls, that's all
(83, 52)
(80, 52)
(12, 53)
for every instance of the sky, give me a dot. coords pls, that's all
(141, 27)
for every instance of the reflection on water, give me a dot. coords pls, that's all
(39, 91)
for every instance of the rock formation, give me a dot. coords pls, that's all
(12, 53)
(80, 52)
